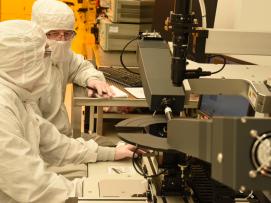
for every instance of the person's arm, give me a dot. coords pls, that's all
(81, 70)
(23, 175)
(59, 149)
(83, 73)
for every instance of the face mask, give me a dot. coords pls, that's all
(38, 78)
(60, 50)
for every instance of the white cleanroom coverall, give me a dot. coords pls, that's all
(25, 137)
(67, 67)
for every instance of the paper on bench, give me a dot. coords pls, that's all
(137, 92)
(118, 92)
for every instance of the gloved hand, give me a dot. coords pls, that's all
(98, 88)
(126, 151)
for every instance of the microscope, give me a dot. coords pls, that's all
(195, 160)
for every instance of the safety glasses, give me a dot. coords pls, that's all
(61, 35)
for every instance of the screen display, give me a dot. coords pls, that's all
(220, 105)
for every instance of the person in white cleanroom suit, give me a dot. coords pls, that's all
(25, 137)
(57, 21)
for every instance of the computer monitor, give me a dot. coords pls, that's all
(221, 105)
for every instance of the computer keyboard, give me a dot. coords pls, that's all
(121, 76)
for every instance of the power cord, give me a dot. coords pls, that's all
(224, 62)
(139, 170)
(122, 52)
(143, 35)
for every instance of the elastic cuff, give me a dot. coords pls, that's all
(106, 153)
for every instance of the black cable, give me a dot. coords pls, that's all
(138, 37)
(122, 52)
(197, 73)
(136, 168)
(224, 62)
(142, 173)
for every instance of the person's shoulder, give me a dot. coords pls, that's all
(7, 92)
(8, 98)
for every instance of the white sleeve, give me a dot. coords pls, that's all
(81, 70)
(59, 149)
(23, 176)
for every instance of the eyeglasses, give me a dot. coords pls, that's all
(59, 34)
